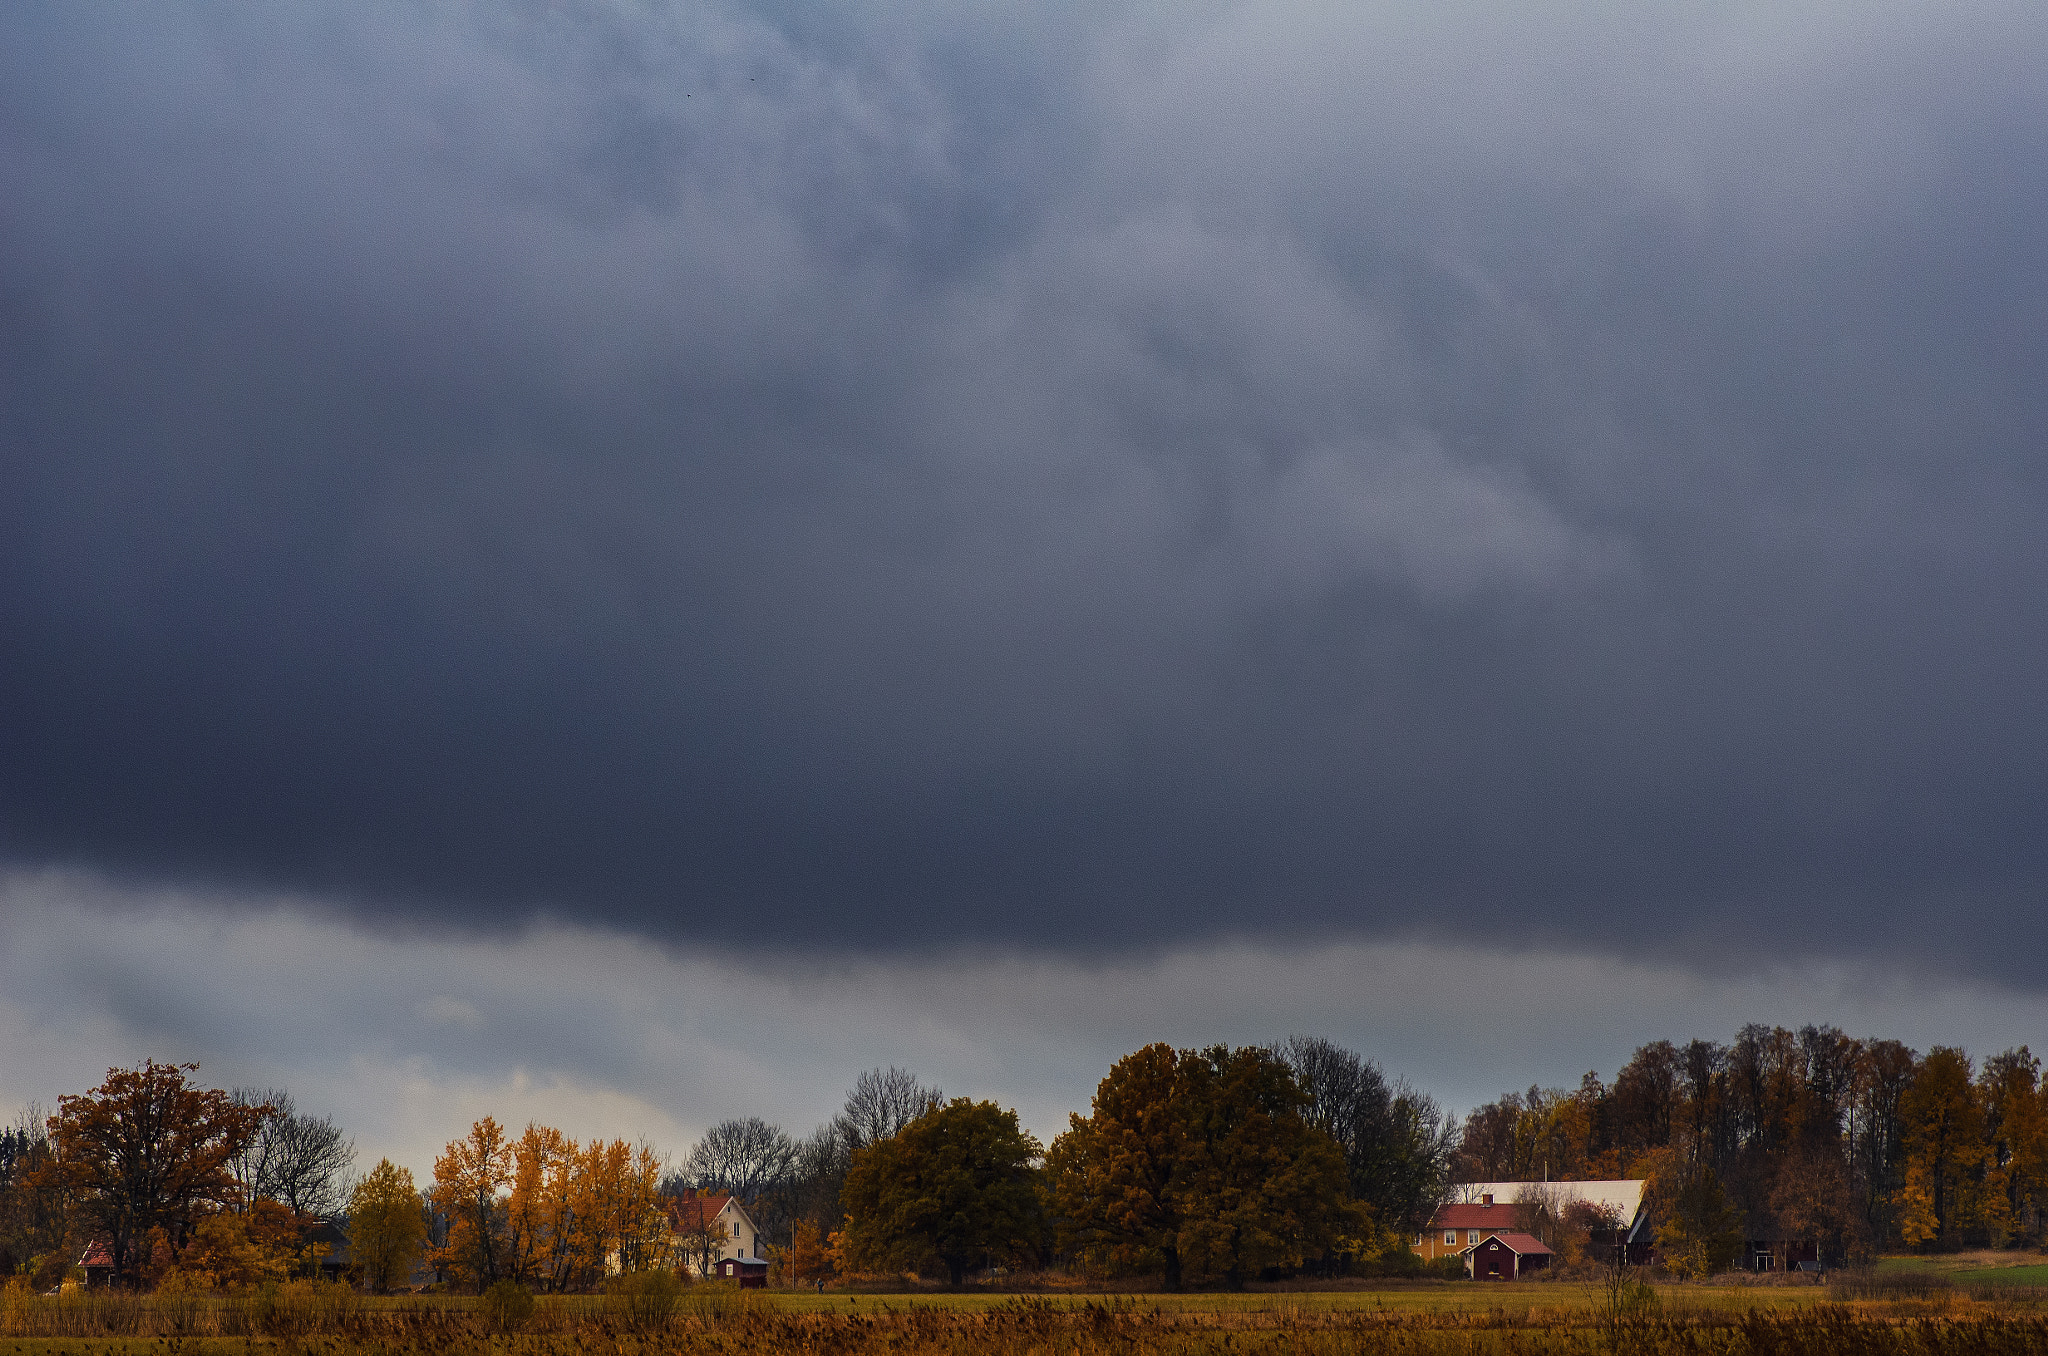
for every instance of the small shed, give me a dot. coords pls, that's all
(1506, 1257)
(750, 1272)
(339, 1258)
(97, 1262)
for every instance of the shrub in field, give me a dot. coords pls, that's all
(1863, 1283)
(181, 1305)
(645, 1299)
(302, 1308)
(506, 1307)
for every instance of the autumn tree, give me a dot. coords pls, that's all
(468, 1177)
(35, 1218)
(1945, 1147)
(232, 1250)
(1201, 1162)
(387, 1225)
(1259, 1186)
(148, 1150)
(1810, 1199)
(1115, 1171)
(805, 1261)
(541, 1212)
(2016, 1135)
(618, 1221)
(1703, 1236)
(958, 1183)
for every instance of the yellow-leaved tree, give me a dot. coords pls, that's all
(387, 1225)
(1703, 1236)
(1945, 1148)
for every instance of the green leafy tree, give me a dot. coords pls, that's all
(1200, 1162)
(1114, 1171)
(387, 1225)
(1259, 1186)
(955, 1185)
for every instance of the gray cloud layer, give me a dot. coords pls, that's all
(406, 1041)
(1080, 477)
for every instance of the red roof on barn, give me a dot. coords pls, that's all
(97, 1254)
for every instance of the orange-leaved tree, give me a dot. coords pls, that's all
(541, 1211)
(468, 1177)
(148, 1150)
(618, 1220)
(807, 1260)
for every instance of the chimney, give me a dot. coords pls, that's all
(690, 1194)
(1486, 1201)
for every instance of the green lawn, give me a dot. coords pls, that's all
(1982, 1267)
(2026, 1275)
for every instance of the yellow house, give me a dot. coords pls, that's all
(1454, 1228)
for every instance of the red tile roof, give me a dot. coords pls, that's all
(687, 1214)
(1499, 1215)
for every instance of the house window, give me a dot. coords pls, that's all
(1418, 1240)
(1471, 1235)
(1450, 1238)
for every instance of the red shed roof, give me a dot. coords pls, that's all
(1524, 1244)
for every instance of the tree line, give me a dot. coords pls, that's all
(1206, 1166)
(1857, 1145)
(177, 1183)
(1211, 1165)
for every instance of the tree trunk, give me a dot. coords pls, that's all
(957, 1269)
(1172, 1279)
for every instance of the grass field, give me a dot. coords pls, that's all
(1916, 1306)
(1517, 1297)
(1419, 1319)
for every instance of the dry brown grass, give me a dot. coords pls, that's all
(312, 1321)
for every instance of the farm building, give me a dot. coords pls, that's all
(1506, 1257)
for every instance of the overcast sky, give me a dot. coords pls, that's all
(640, 559)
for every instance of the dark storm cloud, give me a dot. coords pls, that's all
(919, 476)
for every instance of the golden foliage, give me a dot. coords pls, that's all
(546, 1212)
(387, 1225)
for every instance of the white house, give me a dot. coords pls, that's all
(732, 1230)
